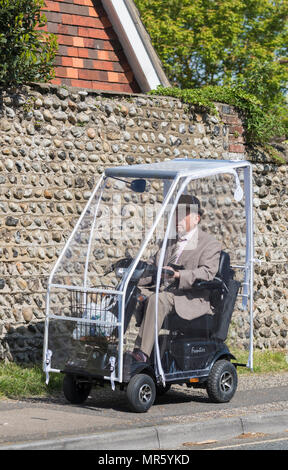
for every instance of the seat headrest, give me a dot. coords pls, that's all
(224, 270)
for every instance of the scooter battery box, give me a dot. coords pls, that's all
(191, 355)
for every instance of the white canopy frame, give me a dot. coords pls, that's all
(249, 259)
(187, 170)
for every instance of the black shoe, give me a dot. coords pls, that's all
(139, 356)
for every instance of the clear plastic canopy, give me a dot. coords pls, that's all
(94, 289)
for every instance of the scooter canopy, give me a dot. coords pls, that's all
(95, 286)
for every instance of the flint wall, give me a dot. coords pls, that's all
(55, 143)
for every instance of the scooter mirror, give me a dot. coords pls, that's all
(138, 186)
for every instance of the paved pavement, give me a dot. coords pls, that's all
(104, 422)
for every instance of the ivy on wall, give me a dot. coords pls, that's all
(261, 127)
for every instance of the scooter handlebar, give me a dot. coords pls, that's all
(143, 269)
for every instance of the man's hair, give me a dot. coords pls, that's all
(192, 204)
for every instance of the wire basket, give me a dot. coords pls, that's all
(98, 312)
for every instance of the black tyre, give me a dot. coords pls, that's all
(222, 382)
(160, 390)
(141, 393)
(74, 391)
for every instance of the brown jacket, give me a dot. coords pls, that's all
(200, 260)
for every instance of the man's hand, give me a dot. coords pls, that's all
(175, 275)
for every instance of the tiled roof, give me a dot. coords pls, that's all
(90, 54)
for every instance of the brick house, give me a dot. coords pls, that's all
(103, 46)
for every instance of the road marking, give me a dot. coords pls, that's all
(202, 443)
(250, 443)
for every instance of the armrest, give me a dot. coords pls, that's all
(216, 283)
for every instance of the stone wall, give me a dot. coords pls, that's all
(271, 248)
(54, 145)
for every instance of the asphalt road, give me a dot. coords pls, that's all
(182, 415)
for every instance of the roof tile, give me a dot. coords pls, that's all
(90, 54)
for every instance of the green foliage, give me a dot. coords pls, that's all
(260, 125)
(265, 361)
(27, 53)
(19, 381)
(236, 43)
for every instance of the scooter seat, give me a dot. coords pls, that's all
(201, 327)
(223, 293)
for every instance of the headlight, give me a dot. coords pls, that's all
(120, 272)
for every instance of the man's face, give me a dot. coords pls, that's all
(186, 220)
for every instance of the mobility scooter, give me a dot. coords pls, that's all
(95, 297)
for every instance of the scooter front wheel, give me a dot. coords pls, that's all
(160, 390)
(74, 391)
(141, 393)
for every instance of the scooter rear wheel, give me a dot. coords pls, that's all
(141, 393)
(74, 391)
(222, 381)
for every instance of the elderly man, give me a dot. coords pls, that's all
(198, 255)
